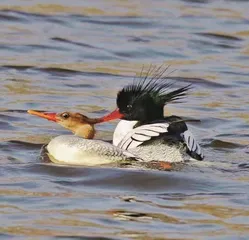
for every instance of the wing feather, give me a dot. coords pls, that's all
(141, 137)
(192, 144)
(142, 134)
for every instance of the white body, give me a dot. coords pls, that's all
(70, 149)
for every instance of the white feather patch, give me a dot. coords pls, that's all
(142, 134)
(192, 143)
(141, 138)
(122, 128)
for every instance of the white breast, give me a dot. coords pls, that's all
(121, 130)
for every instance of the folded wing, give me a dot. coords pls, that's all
(144, 133)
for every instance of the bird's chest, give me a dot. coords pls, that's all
(122, 128)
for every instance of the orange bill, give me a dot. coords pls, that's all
(46, 115)
(112, 116)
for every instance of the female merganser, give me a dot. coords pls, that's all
(81, 149)
(144, 130)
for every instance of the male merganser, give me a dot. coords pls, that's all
(144, 130)
(81, 149)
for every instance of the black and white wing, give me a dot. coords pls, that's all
(144, 133)
(141, 134)
(192, 145)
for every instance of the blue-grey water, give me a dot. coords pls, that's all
(75, 55)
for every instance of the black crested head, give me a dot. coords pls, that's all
(145, 99)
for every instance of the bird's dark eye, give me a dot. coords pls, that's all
(65, 115)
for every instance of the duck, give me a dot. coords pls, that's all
(144, 130)
(81, 148)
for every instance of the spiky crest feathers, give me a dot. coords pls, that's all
(152, 86)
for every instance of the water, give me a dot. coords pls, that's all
(75, 55)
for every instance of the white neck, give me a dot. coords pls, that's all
(121, 130)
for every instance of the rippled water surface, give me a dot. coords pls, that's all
(75, 55)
